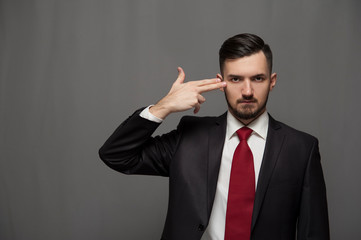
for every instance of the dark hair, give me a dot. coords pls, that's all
(243, 45)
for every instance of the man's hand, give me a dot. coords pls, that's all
(183, 96)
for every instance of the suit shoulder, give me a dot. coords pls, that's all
(295, 133)
(197, 119)
(196, 122)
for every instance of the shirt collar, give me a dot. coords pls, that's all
(259, 125)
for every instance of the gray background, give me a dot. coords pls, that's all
(71, 71)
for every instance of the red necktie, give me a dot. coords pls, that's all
(241, 191)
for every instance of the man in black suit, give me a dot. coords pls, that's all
(282, 193)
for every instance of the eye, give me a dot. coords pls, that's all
(235, 79)
(259, 78)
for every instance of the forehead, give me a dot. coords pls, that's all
(249, 65)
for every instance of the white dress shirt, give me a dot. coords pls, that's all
(256, 142)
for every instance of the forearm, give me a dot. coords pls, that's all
(131, 149)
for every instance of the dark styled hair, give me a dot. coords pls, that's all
(242, 45)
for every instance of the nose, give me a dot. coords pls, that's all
(247, 88)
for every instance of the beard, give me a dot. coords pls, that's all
(246, 112)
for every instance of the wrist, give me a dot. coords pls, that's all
(159, 111)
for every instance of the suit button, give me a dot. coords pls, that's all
(201, 227)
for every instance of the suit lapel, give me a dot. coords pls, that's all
(217, 133)
(273, 146)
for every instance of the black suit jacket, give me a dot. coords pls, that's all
(290, 191)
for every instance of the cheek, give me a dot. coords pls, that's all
(262, 94)
(231, 95)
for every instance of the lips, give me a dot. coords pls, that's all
(247, 101)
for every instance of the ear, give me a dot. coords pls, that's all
(220, 77)
(273, 81)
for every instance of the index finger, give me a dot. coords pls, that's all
(211, 87)
(203, 82)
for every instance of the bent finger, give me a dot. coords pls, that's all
(197, 107)
(201, 99)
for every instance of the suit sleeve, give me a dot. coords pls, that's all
(313, 218)
(131, 149)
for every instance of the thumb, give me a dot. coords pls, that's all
(181, 76)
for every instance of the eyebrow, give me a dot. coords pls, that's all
(260, 75)
(240, 76)
(234, 76)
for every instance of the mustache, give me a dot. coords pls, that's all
(245, 99)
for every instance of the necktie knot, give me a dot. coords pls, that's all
(244, 133)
